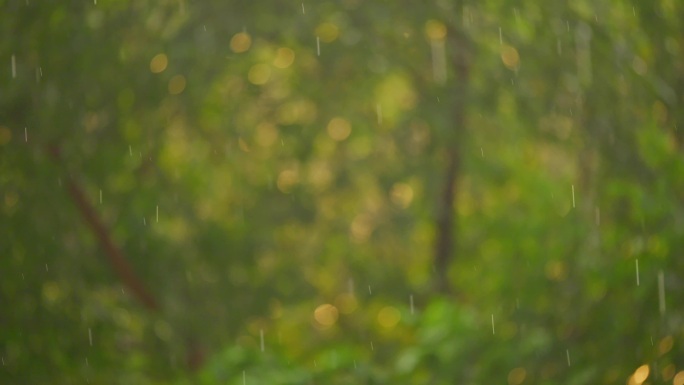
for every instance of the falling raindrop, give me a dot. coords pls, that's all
(14, 67)
(369, 290)
(90, 336)
(482, 152)
(372, 348)
(130, 150)
(100, 196)
(144, 221)
(493, 332)
(303, 11)
(661, 292)
(378, 110)
(46, 267)
(261, 336)
(567, 354)
(26, 134)
(573, 196)
(244, 379)
(500, 37)
(157, 213)
(597, 214)
(637, 270)
(411, 299)
(318, 46)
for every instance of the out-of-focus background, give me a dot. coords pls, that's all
(338, 192)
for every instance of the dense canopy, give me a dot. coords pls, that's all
(338, 192)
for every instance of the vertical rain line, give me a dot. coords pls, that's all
(573, 196)
(637, 270)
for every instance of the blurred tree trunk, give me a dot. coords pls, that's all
(446, 243)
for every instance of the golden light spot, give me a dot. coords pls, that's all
(240, 42)
(389, 317)
(319, 175)
(665, 345)
(517, 376)
(5, 135)
(51, 292)
(668, 372)
(555, 270)
(327, 32)
(266, 134)
(401, 194)
(678, 378)
(298, 111)
(243, 145)
(326, 314)
(347, 303)
(435, 30)
(641, 374)
(361, 227)
(287, 179)
(284, 58)
(259, 74)
(158, 63)
(176, 84)
(339, 129)
(11, 199)
(510, 57)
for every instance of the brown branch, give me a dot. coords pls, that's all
(446, 241)
(114, 254)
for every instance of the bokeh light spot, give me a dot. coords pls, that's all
(678, 378)
(176, 84)
(259, 74)
(435, 30)
(388, 317)
(510, 57)
(401, 194)
(159, 63)
(339, 129)
(326, 314)
(240, 42)
(641, 374)
(327, 32)
(284, 58)
(287, 179)
(517, 376)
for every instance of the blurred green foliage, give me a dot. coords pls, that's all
(272, 173)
